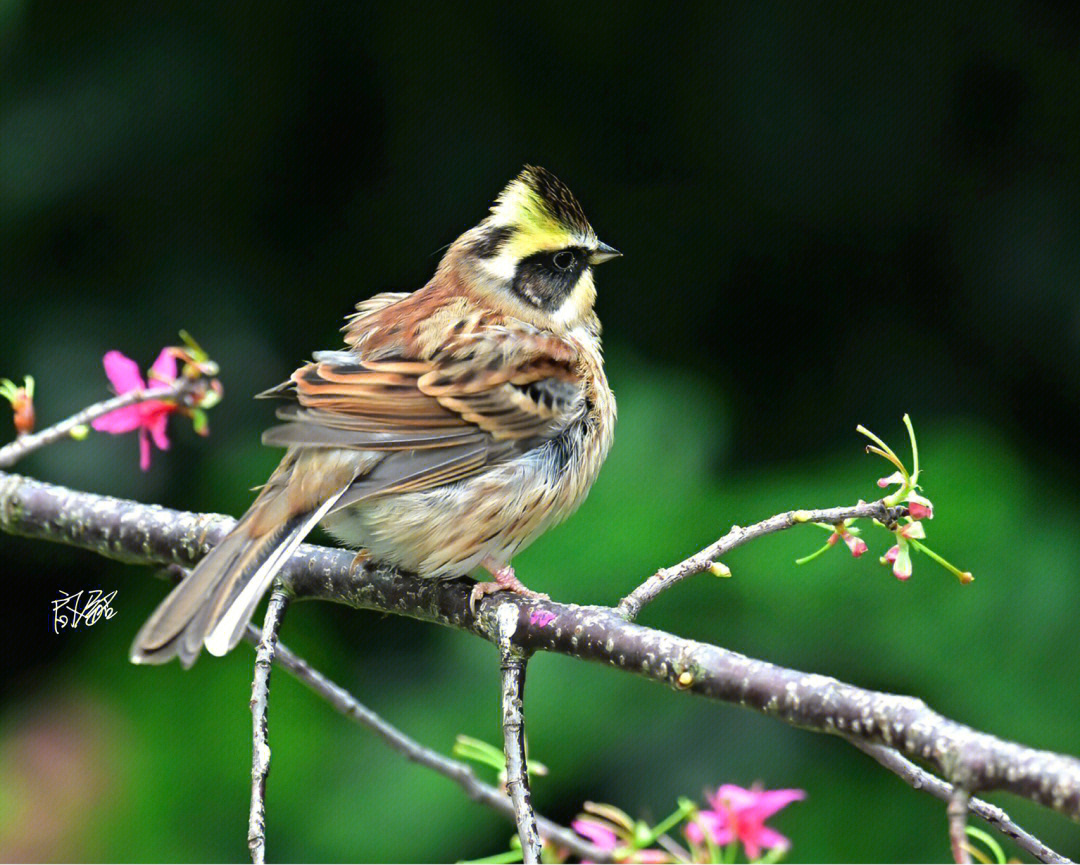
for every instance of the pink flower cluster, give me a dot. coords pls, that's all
(735, 815)
(738, 814)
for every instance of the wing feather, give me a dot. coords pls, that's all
(441, 414)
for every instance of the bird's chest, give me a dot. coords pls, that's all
(447, 531)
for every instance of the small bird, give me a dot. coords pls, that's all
(459, 423)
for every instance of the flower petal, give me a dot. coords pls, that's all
(733, 797)
(601, 836)
(772, 839)
(711, 823)
(902, 566)
(144, 450)
(156, 426)
(122, 420)
(122, 371)
(913, 530)
(771, 801)
(919, 507)
(856, 545)
(164, 368)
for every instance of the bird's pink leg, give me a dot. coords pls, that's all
(505, 581)
(361, 559)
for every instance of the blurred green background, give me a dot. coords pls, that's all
(830, 214)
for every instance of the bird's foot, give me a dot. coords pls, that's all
(362, 558)
(505, 581)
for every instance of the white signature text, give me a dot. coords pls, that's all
(82, 607)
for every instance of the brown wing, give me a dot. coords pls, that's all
(478, 398)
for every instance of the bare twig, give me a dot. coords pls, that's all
(14, 451)
(512, 664)
(975, 761)
(920, 779)
(630, 606)
(458, 772)
(260, 705)
(956, 811)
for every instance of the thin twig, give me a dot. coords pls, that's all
(260, 705)
(14, 451)
(512, 663)
(630, 606)
(956, 811)
(930, 783)
(456, 771)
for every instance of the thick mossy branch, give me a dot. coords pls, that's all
(972, 760)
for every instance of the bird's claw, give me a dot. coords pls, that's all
(505, 581)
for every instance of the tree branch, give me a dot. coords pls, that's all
(956, 812)
(630, 606)
(920, 779)
(260, 705)
(968, 758)
(512, 665)
(458, 772)
(14, 451)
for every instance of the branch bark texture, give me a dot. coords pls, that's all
(967, 758)
(513, 663)
(260, 707)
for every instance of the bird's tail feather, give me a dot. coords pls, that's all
(213, 605)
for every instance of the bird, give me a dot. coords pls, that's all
(457, 424)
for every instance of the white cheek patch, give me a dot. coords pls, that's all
(578, 302)
(501, 268)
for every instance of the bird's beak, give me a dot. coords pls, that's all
(603, 253)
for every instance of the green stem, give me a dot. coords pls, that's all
(962, 576)
(666, 825)
(990, 841)
(914, 449)
(813, 555)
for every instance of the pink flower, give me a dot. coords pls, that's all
(856, 544)
(894, 478)
(739, 815)
(596, 832)
(541, 618)
(920, 508)
(900, 558)
(150, 417)
(602, 833)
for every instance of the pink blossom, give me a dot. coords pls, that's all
(920, 508)
(912, 530)
(541, 618)
(739, 815)
(602, 834)
(854, 543)
(150, 417)
(899, 557)
(596, 832)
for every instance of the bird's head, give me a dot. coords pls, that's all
(533, 255)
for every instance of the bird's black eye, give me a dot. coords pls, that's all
(563, 260)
